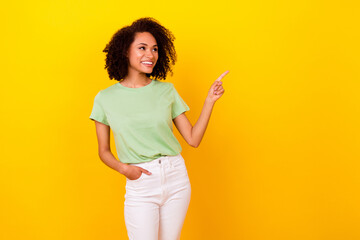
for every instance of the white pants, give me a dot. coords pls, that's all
(155, 205)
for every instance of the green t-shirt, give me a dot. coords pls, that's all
(140, 119)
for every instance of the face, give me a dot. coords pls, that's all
(143, 53)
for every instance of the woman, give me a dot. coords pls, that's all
(140, 111)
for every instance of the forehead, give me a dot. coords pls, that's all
(144, 37)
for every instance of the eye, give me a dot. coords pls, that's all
(155, 49)
(141, 47)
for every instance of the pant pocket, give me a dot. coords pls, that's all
(138, 179)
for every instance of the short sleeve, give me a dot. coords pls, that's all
(97, 112)
(178, 106)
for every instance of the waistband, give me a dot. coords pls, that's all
(160, 160)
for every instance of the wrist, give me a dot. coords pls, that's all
(209, 101)
(122, 167)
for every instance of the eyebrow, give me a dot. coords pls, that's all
(146, 44)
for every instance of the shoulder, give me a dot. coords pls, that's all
(109, 90)
(103, 94)
(162, 84)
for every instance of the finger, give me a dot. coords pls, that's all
(145, 171)
(217, 84)
(222, 75)
(219, 91)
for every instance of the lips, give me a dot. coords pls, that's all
(148, 63)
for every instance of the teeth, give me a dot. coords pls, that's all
(147, 62)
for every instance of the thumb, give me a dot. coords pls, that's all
(145, 171)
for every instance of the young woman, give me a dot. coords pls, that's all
(140, 111)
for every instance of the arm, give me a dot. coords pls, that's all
(104, 151)
(105, 154)
(194, 134)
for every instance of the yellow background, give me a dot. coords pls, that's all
(279, 160)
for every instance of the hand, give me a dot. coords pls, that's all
(134, 172)
(216, 89)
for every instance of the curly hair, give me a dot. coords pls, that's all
(116, 60)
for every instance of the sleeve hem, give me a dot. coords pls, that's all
(101, 121)
(180, 112)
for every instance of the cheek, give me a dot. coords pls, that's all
(135, 54)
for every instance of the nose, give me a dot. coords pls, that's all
(150, 54)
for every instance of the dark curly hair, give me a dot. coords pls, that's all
(116, 61)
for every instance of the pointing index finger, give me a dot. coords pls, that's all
(222, 75)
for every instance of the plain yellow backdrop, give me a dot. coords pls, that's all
(279, 160)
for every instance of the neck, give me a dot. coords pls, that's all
(135, 80)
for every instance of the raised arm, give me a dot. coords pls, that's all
(194, 134)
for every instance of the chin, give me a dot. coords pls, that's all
(149, 71)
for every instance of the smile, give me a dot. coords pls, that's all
(148, 64)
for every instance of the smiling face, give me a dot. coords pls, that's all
(143, 53)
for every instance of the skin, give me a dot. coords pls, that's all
(136, 77)
(144, 48)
